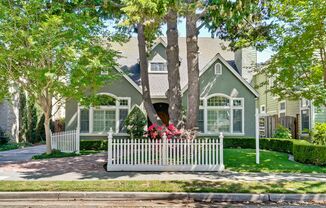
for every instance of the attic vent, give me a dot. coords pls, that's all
(218, 69)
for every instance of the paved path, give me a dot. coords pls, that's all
(90, 167)
(19, 155)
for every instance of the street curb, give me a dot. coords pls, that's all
(207, 197)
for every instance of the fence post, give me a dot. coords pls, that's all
(221, 152)
(164, 149)
(257, 137)
(77, 140)
(110, 138)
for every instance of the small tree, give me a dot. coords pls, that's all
(136, 122)
(52, 49)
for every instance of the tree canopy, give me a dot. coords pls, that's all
(299, 66)
(53, 51)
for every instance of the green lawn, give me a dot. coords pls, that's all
(11, 146)
(243, 160)
(167, 186)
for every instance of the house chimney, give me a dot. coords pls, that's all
(246, 60)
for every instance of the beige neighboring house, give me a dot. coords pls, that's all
(297, 115)
(9, 117)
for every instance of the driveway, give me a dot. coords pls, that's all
(19, 155)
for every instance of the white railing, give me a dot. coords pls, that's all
(165, 155)
(65, 141)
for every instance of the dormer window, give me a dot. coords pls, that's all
(158, 67)
(218, 69)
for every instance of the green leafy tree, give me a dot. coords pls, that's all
(298, 67)
(53, 49)
(242, 22)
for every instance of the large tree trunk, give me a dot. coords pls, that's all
(47, 121)
(150, 110)
(173, 63)
(193, 69)
(45, 102)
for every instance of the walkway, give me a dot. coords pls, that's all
(90, 167)
(19, 155)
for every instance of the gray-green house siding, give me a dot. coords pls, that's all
(225, 84)
(120, 88)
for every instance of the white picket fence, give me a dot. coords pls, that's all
(165, 155)
(66, 141)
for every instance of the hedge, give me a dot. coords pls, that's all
(93, 145)
(310, 154)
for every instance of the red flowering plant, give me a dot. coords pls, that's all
(156, 131)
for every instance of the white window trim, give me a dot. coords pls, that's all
(91, 109)
(279, 108)
(231, 108)
(215, 69)
(156, 72)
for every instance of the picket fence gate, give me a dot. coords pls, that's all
(65, 141)
(127, 154)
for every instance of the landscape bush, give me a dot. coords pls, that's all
(4, 139)
(136, 122)
(318, 134)
(309, 154)
(282, 133)
(93, 145)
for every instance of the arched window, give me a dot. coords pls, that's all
(223, 114)
(108, 112)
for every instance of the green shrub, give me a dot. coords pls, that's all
(309, 154)
(242, 142)
(4, 139)
(135, 122)
(93, 145)
(274, 144)
(319, 134)
(282, 133)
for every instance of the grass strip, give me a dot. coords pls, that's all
(300, 187)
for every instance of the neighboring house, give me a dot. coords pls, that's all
(297, 115)
(9, 117)
(227, 98)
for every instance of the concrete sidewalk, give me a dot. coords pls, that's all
(90, 167)
(199, 197)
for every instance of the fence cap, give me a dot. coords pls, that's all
(221, 135)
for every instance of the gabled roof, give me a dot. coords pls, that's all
(232, 70)
(208, 49)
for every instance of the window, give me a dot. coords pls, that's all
(262, 109)
(101, 118)
(304, 103)
(218, 101)
(218, 69)
(282, 109)
(84, 120)
(305, 120)
(158, 67)
(200, 122)
(224, 117)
